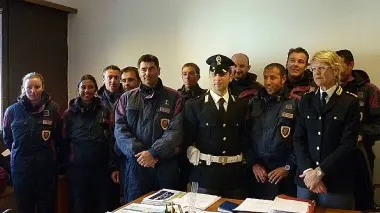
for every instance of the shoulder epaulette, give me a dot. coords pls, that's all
(195, 98)
(309, 92)
(350, 93)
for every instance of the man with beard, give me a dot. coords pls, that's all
(358, 82)
(243, 80)
(272, 121)
(299, 80)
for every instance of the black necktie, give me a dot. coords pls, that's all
(323, 99)
(222, 111)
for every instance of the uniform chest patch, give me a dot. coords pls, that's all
(47, 122)
(46, 113)
(287, 115)
(164, 109)
(164, 123)
(288, 106)
(285, 131)
(46, 135)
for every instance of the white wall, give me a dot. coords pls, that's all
(178, 31)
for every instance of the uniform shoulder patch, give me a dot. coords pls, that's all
(352, 94)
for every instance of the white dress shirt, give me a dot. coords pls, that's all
(216, 98)
(329, 92)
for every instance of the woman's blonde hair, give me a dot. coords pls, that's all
(30, 76)
(332, 59)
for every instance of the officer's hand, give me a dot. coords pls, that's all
(277, 175)
(311, 179)
(115, 176)
(320, 188)
(260, 173)
(360, 138)
(145, 159)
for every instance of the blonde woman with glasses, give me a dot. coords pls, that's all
(325, 136)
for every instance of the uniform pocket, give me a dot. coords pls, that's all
(206, 130)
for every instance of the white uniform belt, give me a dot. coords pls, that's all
(221, 159)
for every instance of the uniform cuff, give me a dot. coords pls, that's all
(153, 152)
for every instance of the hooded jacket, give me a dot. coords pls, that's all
(87, 133)
(32, 133)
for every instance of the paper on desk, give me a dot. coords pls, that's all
(202, 201)
(284, 205)
(187, 209)
(137, 207)
(254, 205)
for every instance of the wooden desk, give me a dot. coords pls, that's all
(214, 207)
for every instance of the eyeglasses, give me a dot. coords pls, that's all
(320, 68)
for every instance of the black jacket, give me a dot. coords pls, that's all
(369, 101)
(248, 82)
(297, 89)
(212, 135)
(191, 94)
(87, 133)
(272, 120)
(326, 137)
(109, 99)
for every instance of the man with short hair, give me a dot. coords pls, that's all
(271, 121)
(299, 79)
(130, 78)
(112, 89)
(243, 80)
(189, 90)
(109, 94)
(149, 132)
(215, 129)
(358, 82)
(190, 77)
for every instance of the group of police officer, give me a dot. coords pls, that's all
(306, 132)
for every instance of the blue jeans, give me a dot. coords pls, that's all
(329, 200)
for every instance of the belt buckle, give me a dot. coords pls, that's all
(223, 160)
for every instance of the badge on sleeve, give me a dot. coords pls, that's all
(46, 135)
(285, 131)
(164, 123)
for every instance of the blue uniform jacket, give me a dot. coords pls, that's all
(87, 133)
(32, 134)
(150, 119)
(272, 122)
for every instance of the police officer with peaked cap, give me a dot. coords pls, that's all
(214, 133)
